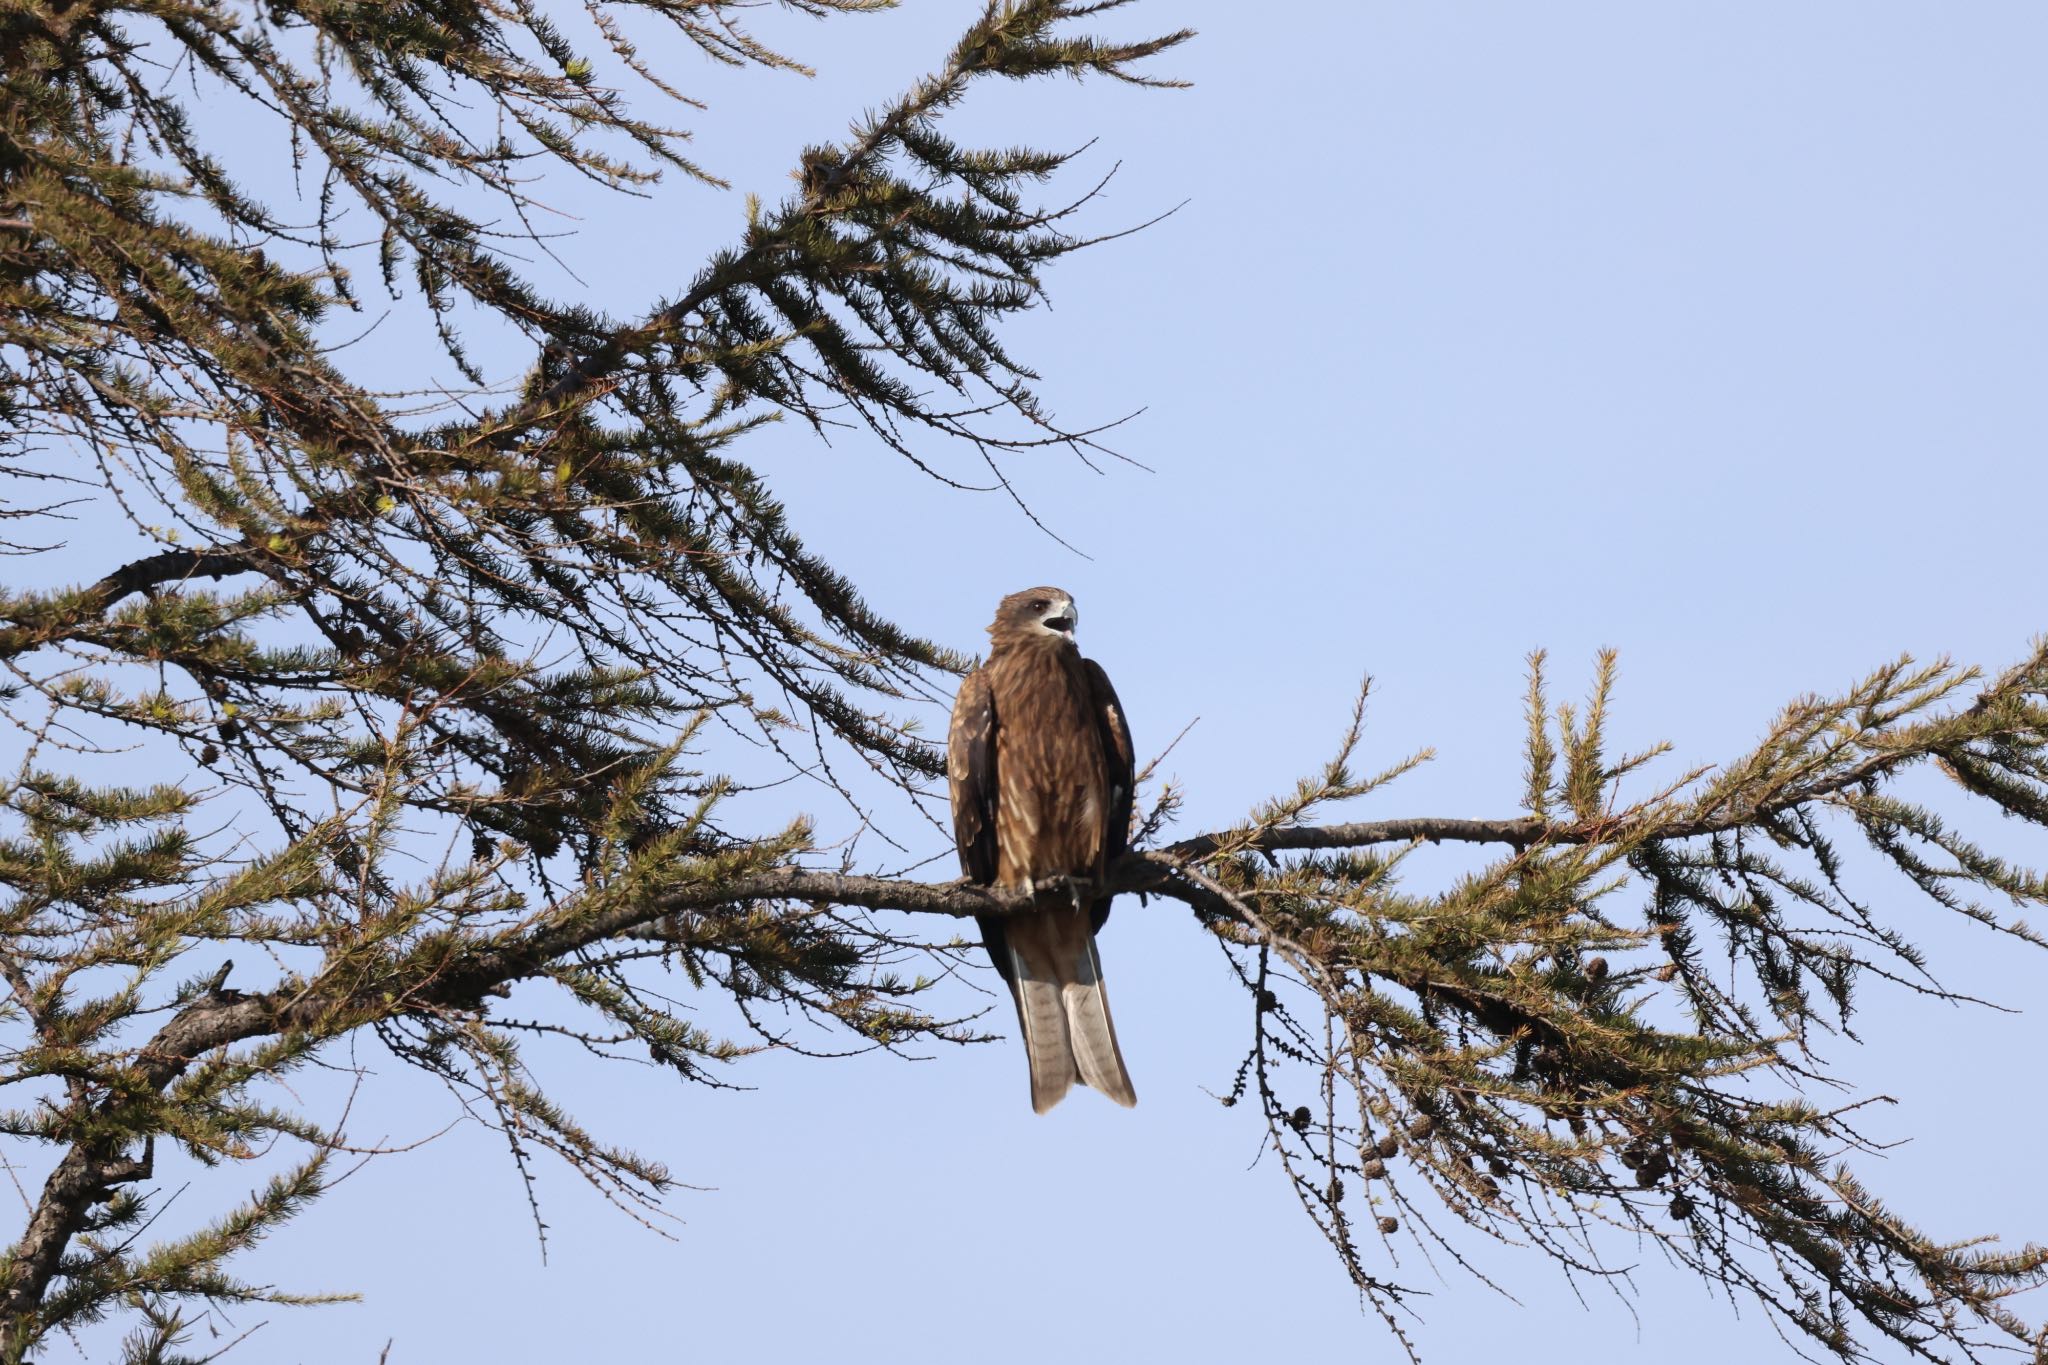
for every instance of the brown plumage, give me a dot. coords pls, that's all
(1039, 762)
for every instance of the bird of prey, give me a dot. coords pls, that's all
(1039, 762)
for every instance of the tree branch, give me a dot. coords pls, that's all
(1524, 831)
(92, 1167)
(171, 566)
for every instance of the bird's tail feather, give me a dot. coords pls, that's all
(1091, 1034)
(1042, 1017)
(1063, 1010)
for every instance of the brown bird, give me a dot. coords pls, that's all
(1039, 762)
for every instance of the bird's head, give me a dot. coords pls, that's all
(1036, 614)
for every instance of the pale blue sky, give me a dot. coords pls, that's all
(1712, 333)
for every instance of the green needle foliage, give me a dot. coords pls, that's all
(489, 691)
(1557, 1045)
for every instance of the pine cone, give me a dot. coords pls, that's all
(1298, 1120)
(1390, 1226)
(1389, 1146)
(1375, 1169)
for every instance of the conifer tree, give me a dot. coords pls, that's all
(348, 591)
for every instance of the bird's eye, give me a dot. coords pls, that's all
(1039, 604)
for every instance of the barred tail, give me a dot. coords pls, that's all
(1092, 1034)
(1043, 1019)
(1063, 1010)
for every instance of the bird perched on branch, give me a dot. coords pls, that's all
(1039, 763)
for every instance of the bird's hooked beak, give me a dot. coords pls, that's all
(1064, 619)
